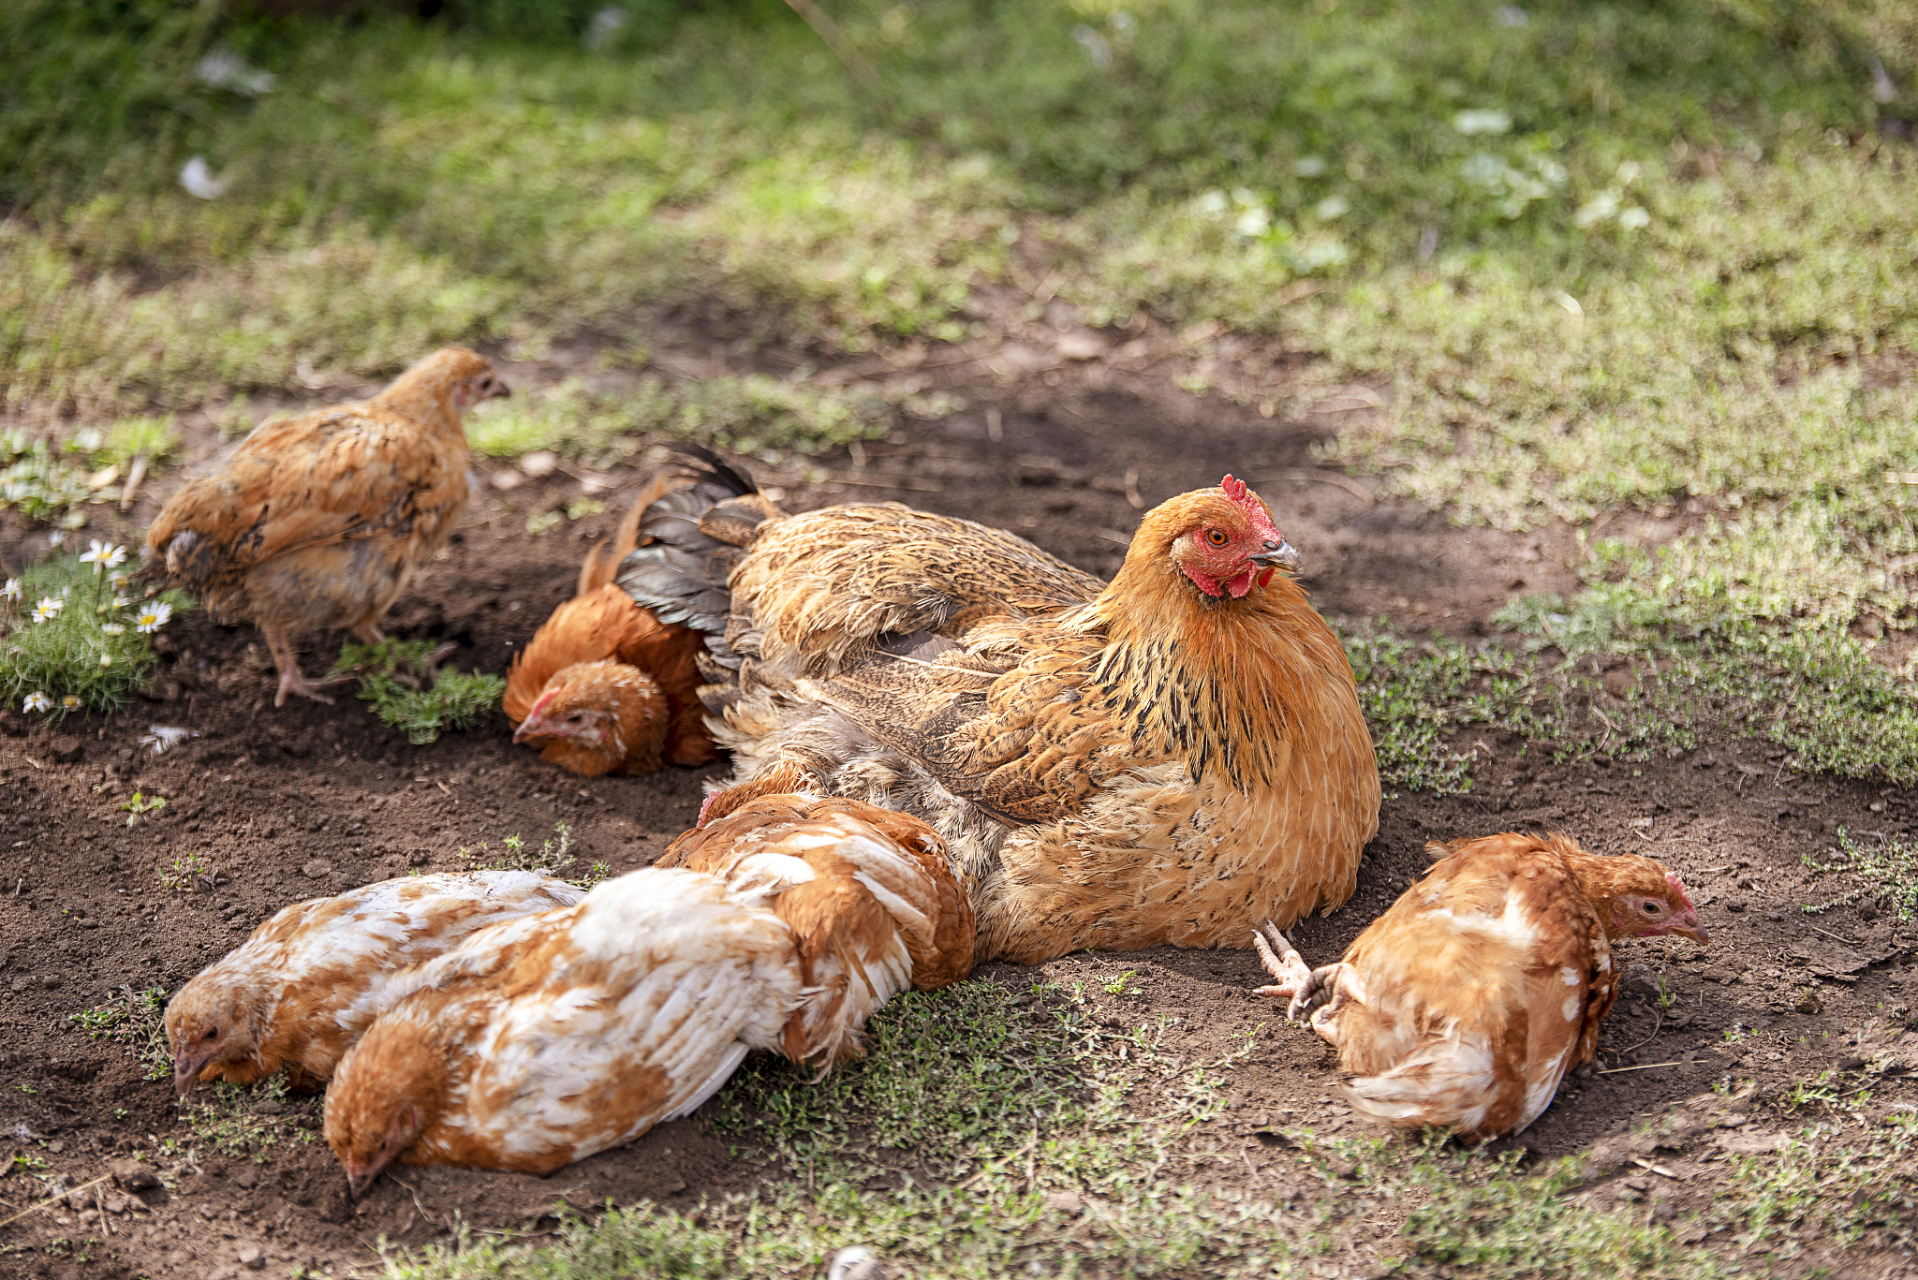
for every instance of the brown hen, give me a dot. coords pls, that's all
(604, 686)
(1464, 1005)
(1168, 758)
(319, 521)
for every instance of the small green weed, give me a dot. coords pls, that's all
(140, 805)
(393, 677)
(136, 1021)
(553, 857)
(71, 638)
(185, 874)
(1888, 871)
(243, 1121)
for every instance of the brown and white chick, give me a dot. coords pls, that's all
(319, 521)
(872, 905)
(1464, 1005)
(546, 1040)
(301, 989)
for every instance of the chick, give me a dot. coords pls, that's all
(320, 520)
(302, 988)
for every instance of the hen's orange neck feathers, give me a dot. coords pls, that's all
(1211, 653)
(437, 390)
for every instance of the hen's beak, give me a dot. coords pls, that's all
(500, 390)
(530, 727)
(1280, 555)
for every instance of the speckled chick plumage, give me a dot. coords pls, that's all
(1464, 1005)
(873, 907)
(783, 927)
(543, 1041)
(1172, 757)
(300, 990)
(320, 520)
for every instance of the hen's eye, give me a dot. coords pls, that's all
(1216, 537)
(1651, 908)
(213, 1033)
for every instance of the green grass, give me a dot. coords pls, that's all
(753, 414)
(394, 678)
(74, 636)
(1885, 872)
(136, 1021)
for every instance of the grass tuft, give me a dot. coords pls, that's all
(136, 1021)
(393, 677)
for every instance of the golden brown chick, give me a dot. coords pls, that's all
(1464, 1005)
(320, 520)
(871, 902)
(1171, 757)
(604, 686)
(301, 989)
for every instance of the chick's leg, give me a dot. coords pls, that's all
(291, 681)
(368, 633)
(1315, 994)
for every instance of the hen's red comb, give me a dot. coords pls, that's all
(1678, 887)
(539, 704)
(1241, 497)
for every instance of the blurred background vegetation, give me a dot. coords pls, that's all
(1627, 256)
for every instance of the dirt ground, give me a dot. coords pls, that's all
(306, 800)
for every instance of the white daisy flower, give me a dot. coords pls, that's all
(11, 589)
(103, 555)
(153, 617)
(112, 629)
(118, 581)
(48, 608)
(106, 659)
(56, 537)
(37, 702)
(71, 702)
(121, 602)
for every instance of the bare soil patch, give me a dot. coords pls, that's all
(286, 804)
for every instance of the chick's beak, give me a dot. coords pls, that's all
(1280, 555)
(185, 1068)
(1686, 925)
(359, 1178)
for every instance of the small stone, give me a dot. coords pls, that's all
(1735, 907)
(540, 462)
(251, 1258)
(246, 1177)
(51, 984)
(133, 1176)
(67, 749)
(1069, 1203)
(316, 868)
(1809, 1003)
(271, 1107)
(56, 1146)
